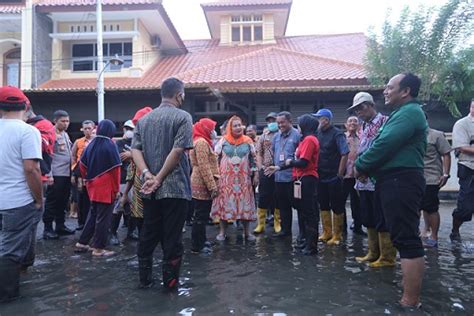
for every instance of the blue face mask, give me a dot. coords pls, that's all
(273, 127)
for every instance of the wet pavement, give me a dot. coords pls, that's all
(267, 277)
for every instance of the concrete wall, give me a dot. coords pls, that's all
(42, 49)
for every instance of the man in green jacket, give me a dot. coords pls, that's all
(395, 161)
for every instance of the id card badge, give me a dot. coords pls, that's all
(297, 190)
(282, 157)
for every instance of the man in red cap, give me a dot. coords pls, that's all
(20, 184)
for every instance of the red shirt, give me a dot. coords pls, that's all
(105, 187)
(308, 150)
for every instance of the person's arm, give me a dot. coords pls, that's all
(468, 150)
(343, 148)
(342, 166)
(260, 152)
(33, 178)
(446, 168)
(74, 153)
(462, 139)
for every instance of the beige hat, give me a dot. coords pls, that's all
(360, 98)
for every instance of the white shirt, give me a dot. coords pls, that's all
(18, 141)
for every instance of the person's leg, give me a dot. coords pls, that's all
(174, 215)
(465, 203)
(63, 192)
(264, 193)
(310, 214)
(84, 207)
(149, 239)
(15, 239)
(401, 197)
(49, 210)
(30, 256)
(284, 195)
(89, 226)
(434, 223)
(338, 207)
(102, 225)
(198, 233)
(117, 213)
(368, 220)
(356, 210)
(326, 215)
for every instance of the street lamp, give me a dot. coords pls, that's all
(116, 61)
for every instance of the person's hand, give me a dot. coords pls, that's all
(126, 155)
(50, 181)
(39, 204)
(288, 162)
(214, 194)
(269, 171)
(255, 180)
(124, 200)
(360, 176)
(443, 180)
(73, 180)
(150, 183)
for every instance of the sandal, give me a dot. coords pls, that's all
(103, 253)
(80, 248)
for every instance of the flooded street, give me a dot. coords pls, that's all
(265, 278)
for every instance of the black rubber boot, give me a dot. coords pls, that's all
(9, 280)
(63, 230)
(198, 235)
(171, 270)
(145, 269)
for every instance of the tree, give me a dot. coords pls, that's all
(429, 43)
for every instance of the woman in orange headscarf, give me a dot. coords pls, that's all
(238, 173)
(203, 181)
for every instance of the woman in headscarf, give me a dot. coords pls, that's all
(131, 193)
(305, 175)
(100, 167)
(203, 181)
(238, 173)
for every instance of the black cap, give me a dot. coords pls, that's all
(271, 115)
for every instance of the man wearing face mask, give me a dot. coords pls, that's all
(266, 188)
(159, 150)
(124, 147)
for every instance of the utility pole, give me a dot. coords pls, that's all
(100, 63)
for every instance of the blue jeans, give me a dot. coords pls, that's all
(17, 229)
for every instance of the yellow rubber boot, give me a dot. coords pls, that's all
(261, 215)
(373, 245)
(388, 253)
(326, 220)
(277, 221)
(337, 231)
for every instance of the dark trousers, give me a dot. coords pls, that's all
(97, 225)
(371, 211)
(330, 196)
(349, 191)
(465, 202)
(284, 193)
(163, 221)
(308, 210)
(57, 198)
(400, 193)
(202, 209)
(84, 206)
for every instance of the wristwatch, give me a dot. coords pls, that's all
(446, 176)
(142, 177)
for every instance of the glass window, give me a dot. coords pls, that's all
(84, 28)
(105, 28)
(78, 28)
(84, 55)
(111, 27)
(80, 52)
(236, 34)
(236, 18)
(247, 18)
(117, 27)
(258, 33)
(247, 33)
(258, 17)
(92, 28)
(13, 74)
(72, 29)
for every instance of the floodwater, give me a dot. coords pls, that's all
(264, 278)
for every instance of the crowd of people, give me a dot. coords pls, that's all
(391, 168)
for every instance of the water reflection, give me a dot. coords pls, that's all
(268, 277)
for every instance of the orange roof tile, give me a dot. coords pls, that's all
(11, 8)
(92, 2)
(224, 3)
(293, 62)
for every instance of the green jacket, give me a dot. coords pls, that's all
(400, 143)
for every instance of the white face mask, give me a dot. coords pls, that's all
(214, 135)
(128, 134)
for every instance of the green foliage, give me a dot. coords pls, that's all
(429, 43)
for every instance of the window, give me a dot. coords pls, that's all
(247, 33)
(247, 28)
(85, 55)
(236, 34)
(258, 33)
(117, 27)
